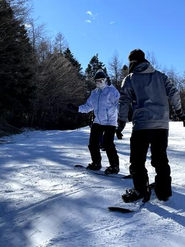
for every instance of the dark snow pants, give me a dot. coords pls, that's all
(108, 133)
(139, 144)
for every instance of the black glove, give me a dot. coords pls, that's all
(121, 126)
(72, 107)
(181, 115)
(119, 134)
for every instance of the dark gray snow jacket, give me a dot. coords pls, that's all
(148, 91)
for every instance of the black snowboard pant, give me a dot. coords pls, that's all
(140, 141)
(108, 133)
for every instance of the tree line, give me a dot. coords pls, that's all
(39, 76)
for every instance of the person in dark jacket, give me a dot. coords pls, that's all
(148, 90)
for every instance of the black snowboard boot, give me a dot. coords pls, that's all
(112, 170)
(163, 188)
(94, 166)
(133, 195)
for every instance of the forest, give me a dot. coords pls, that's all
(39, 76)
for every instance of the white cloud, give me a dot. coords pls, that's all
(87, 21)
(112, 22)
(89, 13)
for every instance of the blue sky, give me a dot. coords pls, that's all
(108, 26)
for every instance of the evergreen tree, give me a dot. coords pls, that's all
(16, 66)
(93, 66)
(90, 71)
(69, 55)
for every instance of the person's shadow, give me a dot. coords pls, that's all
(174, 208)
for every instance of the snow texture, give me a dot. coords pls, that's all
(46, 202)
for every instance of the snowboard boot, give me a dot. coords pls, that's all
(112, 170)
(94, 166)
(133, 195)
(163, 188)
(163, 198)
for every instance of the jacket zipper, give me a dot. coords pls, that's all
(98, 106)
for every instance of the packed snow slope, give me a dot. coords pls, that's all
(45, 201)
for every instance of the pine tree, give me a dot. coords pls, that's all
(16, 66)
(90, 71)
(93, 66)
(70, 57)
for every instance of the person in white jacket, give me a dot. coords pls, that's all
(103, 101)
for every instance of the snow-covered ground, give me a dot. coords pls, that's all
(45, 201)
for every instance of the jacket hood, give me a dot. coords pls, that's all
(144, 68)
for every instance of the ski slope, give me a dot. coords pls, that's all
(46, 202)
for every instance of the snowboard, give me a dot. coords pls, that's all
(135, 206)
(101, 173)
